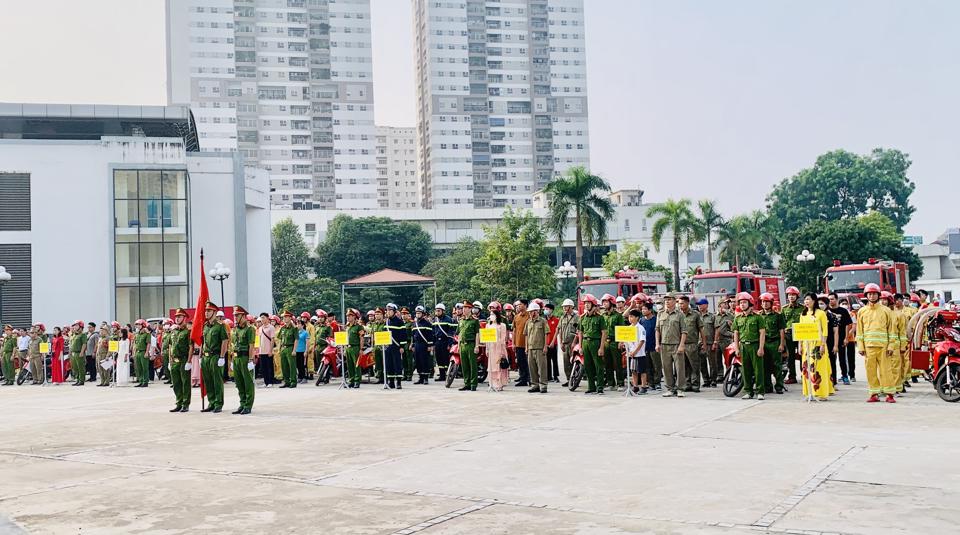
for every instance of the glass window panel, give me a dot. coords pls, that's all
(175, 297)
(175, 262)
(174, 185)
(127, 262)
(124, 184)
(149, 184)
(151, 262)
(125, 215)
(150, 213)
(151, 302)
(175, 219)
(128, 304)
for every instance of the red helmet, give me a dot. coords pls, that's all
(321, 313)
(640, 298)
(508, 306)
(251, 317)
(915, 298)
(305, 315)
(140, 322)
(590, 299)
(792, 290)
(539, 302)
(275, 318)
(766, 296)
(886, 295)
(494, 305)
(744, 296)
(872, 287)
(41, 327)
(78, 322)
(606, 297)
(115, 324)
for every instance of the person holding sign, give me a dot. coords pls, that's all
(637, 354)
(536, 336)
(748, 335)
(814, 357)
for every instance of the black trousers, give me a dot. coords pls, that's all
(442, 353)
(91, 364)
(552, 363)
(301, 365)
(522, 364)
(421, 357)
(266, 369)
(848, 360)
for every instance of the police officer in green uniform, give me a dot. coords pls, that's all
(708, 363)
(213, 357)
(78, 341)
(723, 338)
(774, 344)
(180, 347)
(242, 342)
(469, 329)
(141, 342)
(693, 327)
(593, 333)
(287, 338)
(165, 344)
(791, 314)
(321, 333)
(616, 375)
(9, 345)
(354, 347)
(671, 333)
(748, 334)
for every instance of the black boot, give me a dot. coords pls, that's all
(399, 385)
(390, 383)
(419, 380)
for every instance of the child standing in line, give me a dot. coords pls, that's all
(637, 361)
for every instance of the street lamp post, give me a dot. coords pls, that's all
(567, 271)
(220, 273)
(4, 279)
(805, 257)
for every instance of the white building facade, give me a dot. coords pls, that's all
(288, 83)
(397, 168)
(941, 266)
(112, 207)
(501, 98)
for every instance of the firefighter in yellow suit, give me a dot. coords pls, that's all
(876, 340)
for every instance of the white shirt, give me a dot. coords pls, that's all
(23, 343)
(641, 341)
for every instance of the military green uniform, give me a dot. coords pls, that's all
(692, 324)
(287, 338)
(240, 340)
(321, 333)
(469, 329)
(791, 315)
(140, 344)
(670, 326)
(748, 327)
(165, 343)
(616, 374)
(708, 362)
(591, 330)
(179, 358)
(374, 327)
(101, 354)
(214, 334)
(9, 345)
(773, 361)
(536, 336)
(724, 336)
(567, 332)
(354, 335)
(36, 360)
(78, 363)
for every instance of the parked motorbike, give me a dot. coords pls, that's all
(576, 373)
(328, 363)
(454, 367)
(946, 362)
(733, 377)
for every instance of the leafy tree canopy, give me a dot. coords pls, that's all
(454, 272)
(289, 255)
(514, 261)
(307, 295)
(355, 247)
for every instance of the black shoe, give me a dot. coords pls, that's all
(522, 384)
(599, 392)
(399, 384)
(208, 409)
(177, 409)
(913, 380)
(168, 382)
(185, 409)
(533, 389)
(688, 389)
(778, 390)
(245, 411)
(238, 411)
(464, 388)
(218, 409)
(284, 386)
(473, 388)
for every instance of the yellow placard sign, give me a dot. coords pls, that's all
(44, 347)
(114, 346)
(340, 338)
(805, 331)
(256, 340)
(625, 333)
(381, 338)
(488, 335)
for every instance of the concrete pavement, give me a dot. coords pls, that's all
(433, 460)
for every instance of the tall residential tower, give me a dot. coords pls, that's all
(288, 83)
(501, 98)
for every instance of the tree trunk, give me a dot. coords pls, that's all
(676, 263)
(709, 251)
(579, 251)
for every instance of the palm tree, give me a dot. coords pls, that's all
(582, 196)
(744, 237)
(676, 217)
(708, 221)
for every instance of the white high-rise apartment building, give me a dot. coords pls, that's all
(502, 98)
(289, 83)
(397, 168)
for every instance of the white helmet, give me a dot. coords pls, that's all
(621, 299)
(477, 304)
(440, 306)
(567, 303)
(533, 306)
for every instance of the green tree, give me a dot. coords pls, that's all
(844, 185)
(355, 247)
(746, 238)
(709, 221)
(454, 272)
(289, 255)
(677, 218)
(850, 241)
(514, 262)
(582, 197)
(301, 295)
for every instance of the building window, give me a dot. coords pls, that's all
(151, 242)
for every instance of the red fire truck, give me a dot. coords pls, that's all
(626, 282)
(752, 281)
(850, 279)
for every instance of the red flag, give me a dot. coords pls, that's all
(196, 332)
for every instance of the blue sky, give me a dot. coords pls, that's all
(688, 98)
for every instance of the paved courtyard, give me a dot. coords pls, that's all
(439, 461)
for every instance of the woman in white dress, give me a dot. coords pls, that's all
(123, 359)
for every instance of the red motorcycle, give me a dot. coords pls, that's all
(328, 363)
(733, 377)
(454, 367)
(576, 373)
(946, 361)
